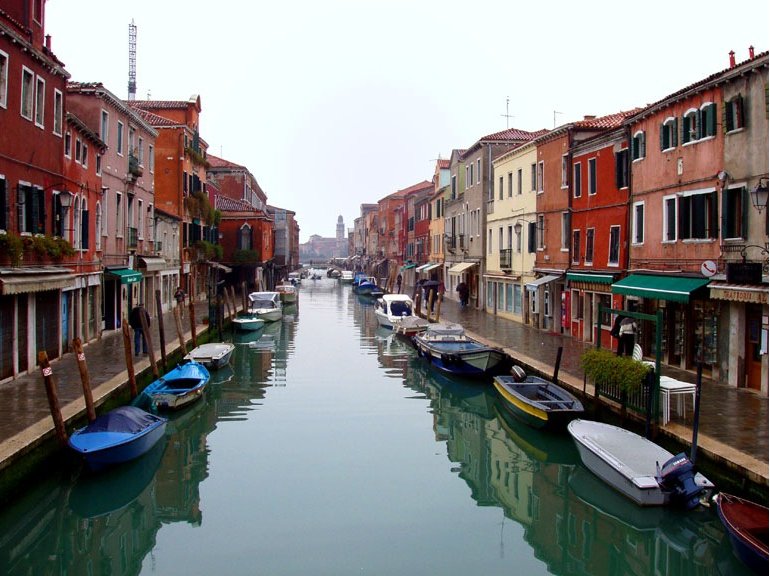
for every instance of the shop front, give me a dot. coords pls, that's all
(587, 291)
(541, 293)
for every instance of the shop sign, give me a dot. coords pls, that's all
(738, 295)
(744, 272)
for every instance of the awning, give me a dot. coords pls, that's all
(408, 266)
(152, 263)
(422, 267)
(749, 293)
(222, 267)
(535, 284)
(53, 278)
(125, 275)
(588, 277)
(429, 267)
(671, 288)
(461, 267)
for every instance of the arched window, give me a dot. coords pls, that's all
(76, 224)
(244, 238)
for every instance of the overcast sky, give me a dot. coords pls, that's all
(335, 103)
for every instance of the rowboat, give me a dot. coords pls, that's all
(118, 436)
(448, 349)
(248, 322)
(179, 387)
(213, 355)
(747, 525)
(391, 308)
(636, 467)
(537, 401)
(409, 326)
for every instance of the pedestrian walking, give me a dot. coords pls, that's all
(398, 284)
(179, 295)
(626, 336)
(135, 321)
(462, 292)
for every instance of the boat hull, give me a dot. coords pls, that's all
(102, 445)
(746, 524)
(248, 324)
(468, 359)
(269, 315)
(537, 402)
(212, 355)
(178, 388)
(624, 460)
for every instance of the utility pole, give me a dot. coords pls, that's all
(555, 112)
(506, 115)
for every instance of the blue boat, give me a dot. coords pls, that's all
(448, 349)
(179, 387)
(118, 436)
(367, 286)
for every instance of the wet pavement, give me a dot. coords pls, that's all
(733, 422)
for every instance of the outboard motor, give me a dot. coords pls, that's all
(678, 478)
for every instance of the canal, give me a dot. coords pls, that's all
(329, 448)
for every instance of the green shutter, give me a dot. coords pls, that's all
(745, 200)
(674, 133)
(727, 117)
(712, 120)
(662, 136)
(725, 196)
(714, 216)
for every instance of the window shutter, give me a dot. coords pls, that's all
(681, 233)
(725, 196)
(531, 237)
(727, 117)
(84, 229)
(3, 206)
(745, 201)
(738, 103)
(698, 126)
(618, 171)
(713, 216)
(643, 139)
(663, 136)
(712, 120)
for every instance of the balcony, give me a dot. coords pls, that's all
(133, 237)
(134, 168)
(506, 258)
(490, 206)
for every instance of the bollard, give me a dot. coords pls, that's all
(77, 345)
(161, 330)
(53, 397)
(129, 359)
(150, 349)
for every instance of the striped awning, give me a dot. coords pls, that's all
(461, 267)
(36, 281)
(588, 277)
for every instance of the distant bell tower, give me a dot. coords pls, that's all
(342, 246)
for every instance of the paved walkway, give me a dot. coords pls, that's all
(733, 425)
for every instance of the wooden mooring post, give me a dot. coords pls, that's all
(77, 346)
(53, 397)
(192, 324)
(161, 330)
(179, 329)
(150, 349)
(129, 359)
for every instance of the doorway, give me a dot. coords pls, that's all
(753, 346)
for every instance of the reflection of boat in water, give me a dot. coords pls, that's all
(112, 489)
(542, 445)
(224, 374)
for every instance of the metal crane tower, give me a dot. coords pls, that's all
(132, 61)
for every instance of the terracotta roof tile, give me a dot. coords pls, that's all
(216, 162)
(153, 119)
(232, 205)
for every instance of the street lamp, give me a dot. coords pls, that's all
(65, 199)
(759, 195)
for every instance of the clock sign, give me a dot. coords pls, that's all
(708, 268)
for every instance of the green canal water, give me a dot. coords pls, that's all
(329, 448)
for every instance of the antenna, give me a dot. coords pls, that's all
(132, 61)
(555, 112)
(507, 116)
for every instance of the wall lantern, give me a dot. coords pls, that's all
(759, 195)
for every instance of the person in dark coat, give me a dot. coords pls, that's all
(134, 320)
(462, 292)
(398, 284)
(626, 336)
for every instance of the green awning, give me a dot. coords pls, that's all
(125, 275)
(595, 278)
(671, 288)
(408, 266)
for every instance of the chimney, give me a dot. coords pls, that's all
(48, 43)
(589, 117)
(751, 52)
(732, 59)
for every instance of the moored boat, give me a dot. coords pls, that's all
(636, 467)
(367, 286)
(447, 348)
(346, 277)
(392, 308)
(536, 401)
(178, 387)
(409, 326)
(248, 322)
(213, 355)
(288, 293)
(266, 305)
(118, 436)
(747, 526)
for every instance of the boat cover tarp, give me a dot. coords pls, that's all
(128, 419)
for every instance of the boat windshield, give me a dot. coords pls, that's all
(262, 304)
(400, 308)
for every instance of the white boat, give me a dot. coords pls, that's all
(391, 308)
(247, 322)
(295, 278)
(212, 355)
(288, 293)
(266, 305)
(636, 467)
(346, 277)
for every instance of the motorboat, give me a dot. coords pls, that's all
(118, 436)
(288, 293)
(346, 277)
(409, 326)
(636, 467)
(367, 286)
(535, 400)
(213, 355)
(266, 305)
(295, 278)
(391, 308)
(178, 387)
(248, 321)
(448, 349)
(746, 523)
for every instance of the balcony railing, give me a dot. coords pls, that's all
(505, 259)
(133, 237)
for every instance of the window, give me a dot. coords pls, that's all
(99, 230)
(40, 102)
(591, 176)
(590, 246)
(118, 215)
(638, 146)
(565, 231)
(500, 239)
(140, 220)
(78, 149)
(119, 136)
(668, 133)
(734, 213)
(454, 185)
(669, 219)
(85, 155)
(698, 216)
(76, 224)
(547, 303)
(614, 255)
(478, 170)
(518, 239)
(104, 213)
(564, 166)
(516, 299)
(509, 243)
(531, 237)
(3, 79)
(27, 93)
(98, 168)
(621, 169)
(540, 232)
(606, 303)
(577, 305)
(576, 246)
(540, 176)
(3, 204)
(140, 151)
(510, 184)
(31, 204)
(690, 126)
(638, 223)
(577, 180)
(58, 112)
(500, 189)
(708, 120)
(151, 154)
(105, 127)
(733, 113)
(519, 183)
(489, 241)
(533, 176)
(68, 145)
